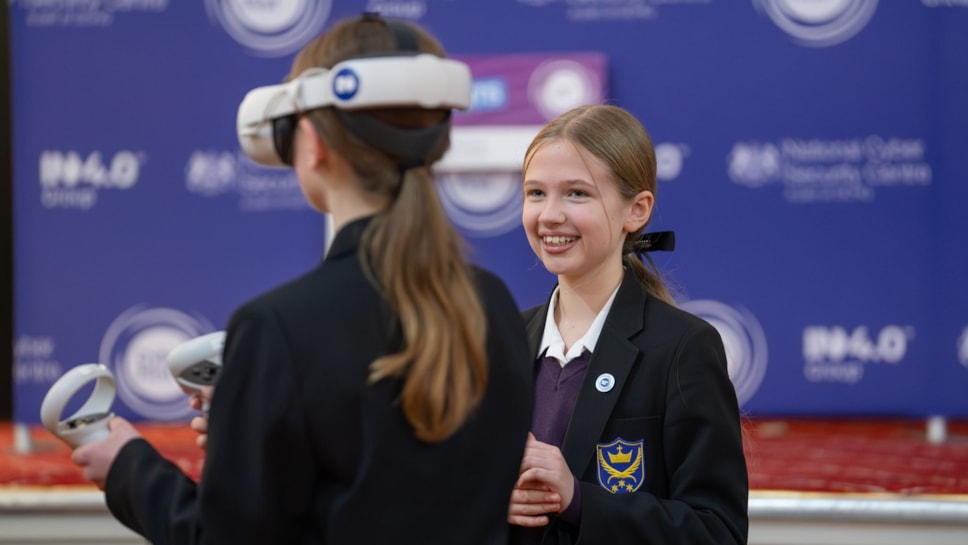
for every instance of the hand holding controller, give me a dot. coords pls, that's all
(90, 422)
(197, 362)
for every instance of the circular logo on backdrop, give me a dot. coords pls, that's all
(557, 86)
(270, 28)
(135, 348)
(743, 339)
(819, 23)
(483, 204)
(963, 347)
(669, 160)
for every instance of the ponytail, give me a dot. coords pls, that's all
(409, 250)
(415, 256)
(637, 246)
(650, 279)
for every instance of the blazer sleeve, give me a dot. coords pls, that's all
(258, 473)
(704, 459)
(141, 484)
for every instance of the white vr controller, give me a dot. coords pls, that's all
(196, 363)
(90, 422)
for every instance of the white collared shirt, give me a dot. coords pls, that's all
(553, 345)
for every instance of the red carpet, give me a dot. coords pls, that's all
(49, 464)
(856, 456)
(875, 456)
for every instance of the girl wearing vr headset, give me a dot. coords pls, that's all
(636, 433)
(383, 397)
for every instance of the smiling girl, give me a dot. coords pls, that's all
(636, 430)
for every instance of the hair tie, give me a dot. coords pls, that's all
(659, 241)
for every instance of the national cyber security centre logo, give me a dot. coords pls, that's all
(83, 14)
(135, 348)
(743, 339)
(831, 170)
(581, 11)
(819, 23)
(270, 28)
(212, 173)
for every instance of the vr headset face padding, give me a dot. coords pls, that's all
(283, 132)
(391, 80)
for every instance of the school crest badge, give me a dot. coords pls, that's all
(621, 468)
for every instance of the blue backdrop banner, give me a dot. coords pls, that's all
(811, 161)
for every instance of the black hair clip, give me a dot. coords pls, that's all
(659, 241)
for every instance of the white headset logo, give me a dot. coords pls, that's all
(270, 28)
(819, 23)
(345, 84)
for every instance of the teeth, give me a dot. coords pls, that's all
(557, 241)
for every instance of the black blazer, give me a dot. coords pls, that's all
(672, 392)
(302, 450)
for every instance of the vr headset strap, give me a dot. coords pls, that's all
(407, 147)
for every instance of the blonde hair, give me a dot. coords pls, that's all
(410, 250)
(617, 139)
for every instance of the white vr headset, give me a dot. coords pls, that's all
(266, 116)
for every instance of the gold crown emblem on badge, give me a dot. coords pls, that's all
(620, 457)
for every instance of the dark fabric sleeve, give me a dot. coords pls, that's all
(258, 472)
(703, 448)
(151, 495)
(572, 513)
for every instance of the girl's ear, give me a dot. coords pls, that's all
(640, 211)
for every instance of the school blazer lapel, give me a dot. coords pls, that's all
(535, 320)
(614, 354)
